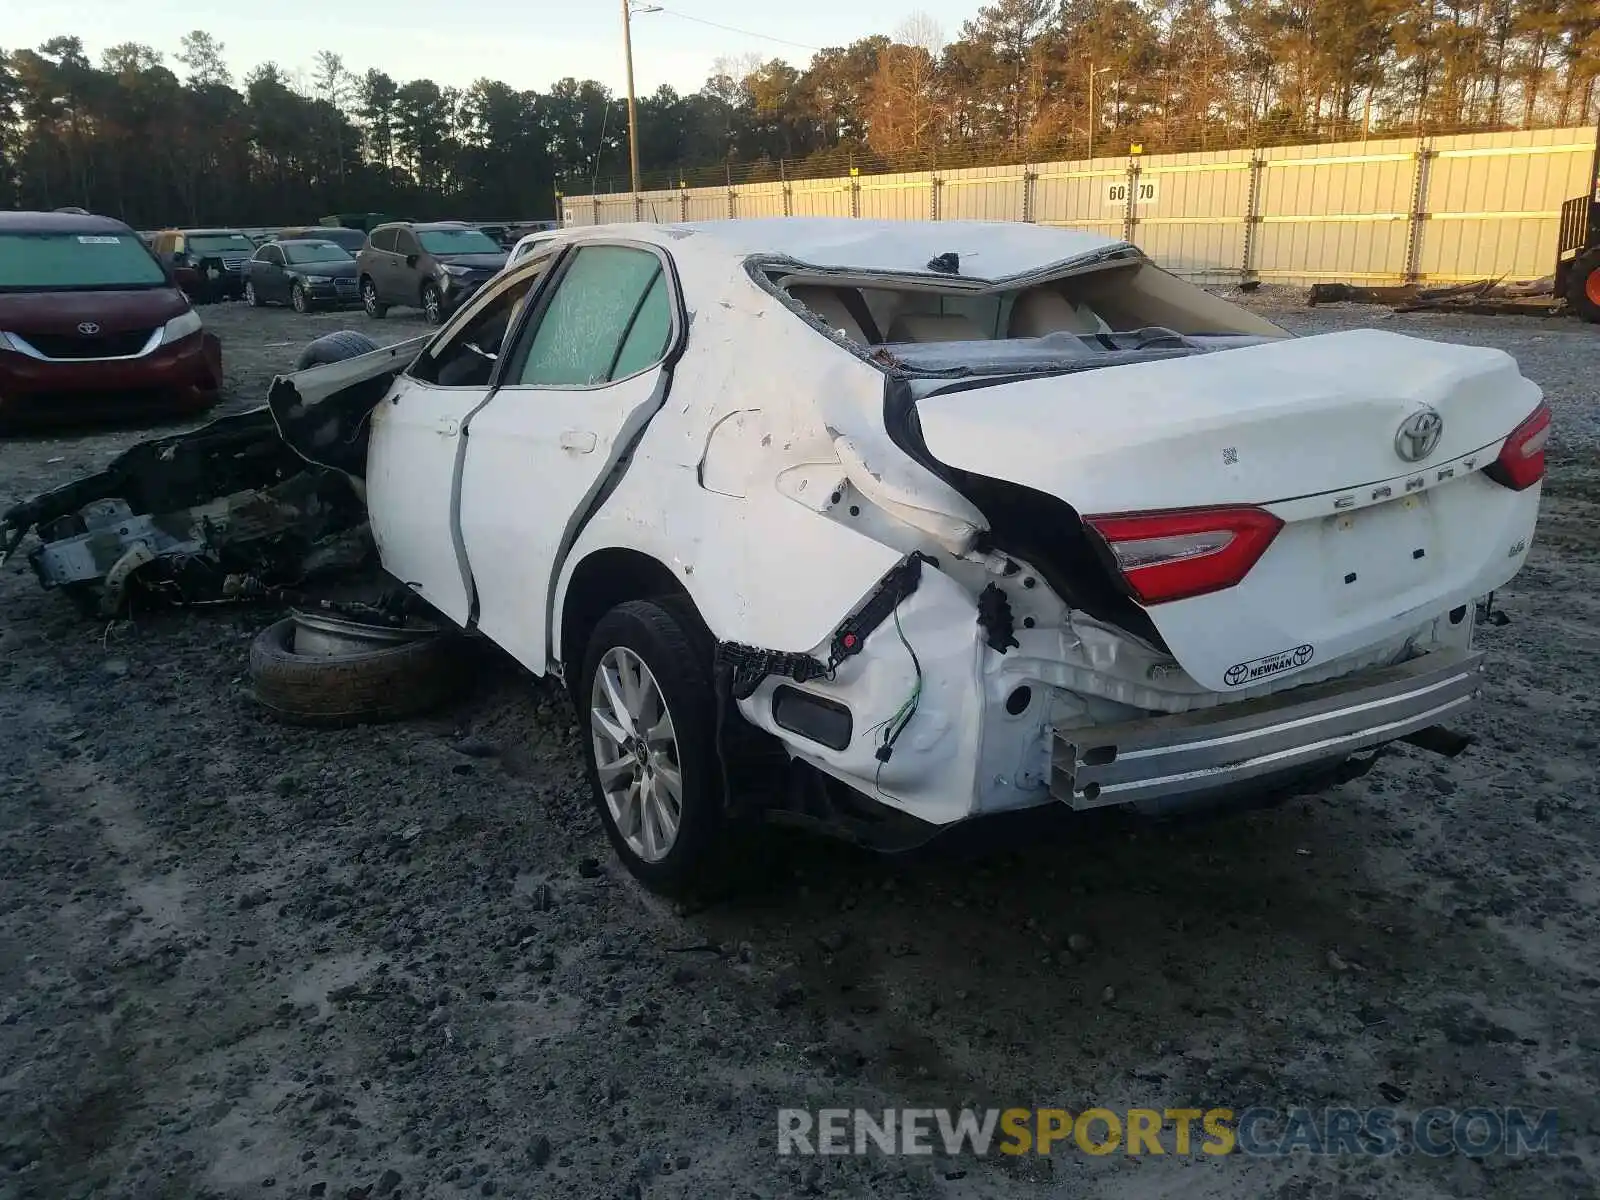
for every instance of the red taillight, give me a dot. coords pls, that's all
(1521, 461)
(1186, 552)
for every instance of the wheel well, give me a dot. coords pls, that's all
(602, 581)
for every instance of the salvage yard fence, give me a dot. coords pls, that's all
(1442, 209)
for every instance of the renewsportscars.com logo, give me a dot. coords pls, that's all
(1257, 1132)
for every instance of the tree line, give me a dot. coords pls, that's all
(156, 141)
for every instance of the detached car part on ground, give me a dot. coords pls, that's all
(965, 518)
(223, 513)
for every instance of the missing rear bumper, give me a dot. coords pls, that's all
(1251, 742)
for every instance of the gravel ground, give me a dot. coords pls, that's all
(244, 960)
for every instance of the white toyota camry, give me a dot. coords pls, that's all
(958, 517)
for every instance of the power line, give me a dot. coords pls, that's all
(765, 37)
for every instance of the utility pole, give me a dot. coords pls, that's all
(1092, 74)
(633, 115)
(1091, 108)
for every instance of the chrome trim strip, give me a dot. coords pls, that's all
(1234, 743)
(24, 346)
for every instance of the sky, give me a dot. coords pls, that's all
(527, 45)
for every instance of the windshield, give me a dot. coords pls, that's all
(31, 262)
(315, 252)
(457, 241)
(213, 243)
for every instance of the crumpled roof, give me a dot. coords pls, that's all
(989, 250)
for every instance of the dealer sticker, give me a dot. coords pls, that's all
(99, 240)
(1258, 669)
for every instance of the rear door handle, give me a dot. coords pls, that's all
(580, 440)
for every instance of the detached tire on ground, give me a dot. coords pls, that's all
(334, 347)
(366, 685)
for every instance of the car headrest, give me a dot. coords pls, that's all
(936, 327)
(1041, 311)
(830, 306)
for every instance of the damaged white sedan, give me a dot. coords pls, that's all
(965, 518)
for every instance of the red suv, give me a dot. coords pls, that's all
(91, 323)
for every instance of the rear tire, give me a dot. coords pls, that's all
(667, 638)
(1583, 286)
(334, 347)
(375, 308)
(350, 689)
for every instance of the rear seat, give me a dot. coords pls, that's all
(827, 303)
(936, 327)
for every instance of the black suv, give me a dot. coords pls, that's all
(434, 266)
(207, 263)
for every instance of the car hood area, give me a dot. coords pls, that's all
(329, 270)
(114, 311)
(478, 262)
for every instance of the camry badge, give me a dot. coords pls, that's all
(88, 328)
(1419, 435)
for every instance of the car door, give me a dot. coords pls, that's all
(270, 280)
(404, 285)
(581, 380)
(414, 456)
(379, 261)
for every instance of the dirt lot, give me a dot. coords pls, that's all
(244, 960)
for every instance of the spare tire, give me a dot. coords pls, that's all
(353, 686)
(334, 347)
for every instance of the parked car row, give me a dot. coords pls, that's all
(433, 266)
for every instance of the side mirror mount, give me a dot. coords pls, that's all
(411, 260)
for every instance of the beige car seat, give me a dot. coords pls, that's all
(935, 327)
(827, 304)
(1041, 311)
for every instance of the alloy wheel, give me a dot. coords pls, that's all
(431, 306)
(636, 754)
(298, 298)
(369, 299)
(250, 295)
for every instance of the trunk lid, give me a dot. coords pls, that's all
(1310, 429)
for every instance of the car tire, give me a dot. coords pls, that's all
(432, 304)
(1583, 286)
(334, 347)
(298, 300)
(667, 638)
(250, 297)
(359, 687)
(374, 307)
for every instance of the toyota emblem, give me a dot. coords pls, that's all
(1419, 435)
(88, 328)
